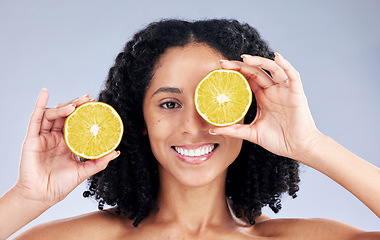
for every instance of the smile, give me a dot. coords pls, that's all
(195, 152)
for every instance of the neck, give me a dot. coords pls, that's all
(193, 207)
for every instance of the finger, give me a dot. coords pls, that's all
(278, 74)
(34, 126)
(52, 115)
(77, 101)
(291, 72)
(58, 125)
(252, 73)
(242, 131)
(94, 166)
(54, 118)
(60, 122)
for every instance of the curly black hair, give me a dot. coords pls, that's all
(257, 178)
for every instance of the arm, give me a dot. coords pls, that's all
(350, 171)
(94, 225)
(284, 126)
(48, 170)
(17, 211)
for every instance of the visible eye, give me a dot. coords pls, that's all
(170, 105)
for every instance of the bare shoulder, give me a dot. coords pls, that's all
(96, 225)
(316, 228)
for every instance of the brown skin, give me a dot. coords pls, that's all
(192, 197)
(108, 225)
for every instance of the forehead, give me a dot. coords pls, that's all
(188, 63)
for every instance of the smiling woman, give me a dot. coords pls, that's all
(182, 127)
(180, 56)
(177, 175)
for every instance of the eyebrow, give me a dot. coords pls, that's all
(168, 90)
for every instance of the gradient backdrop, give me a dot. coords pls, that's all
(68, 47)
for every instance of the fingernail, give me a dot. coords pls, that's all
(44, 89)
(85, 96)
(222, 60)
(211, 132)
(245, 55)
(277, 54)
(92, 100)
(71, 105)
(117, 155)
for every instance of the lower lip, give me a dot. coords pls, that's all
(195, 160)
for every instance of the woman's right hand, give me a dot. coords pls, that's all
(48, 170)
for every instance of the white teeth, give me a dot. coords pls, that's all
(203, 151)
(195, 152)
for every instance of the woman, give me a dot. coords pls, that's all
(157, 191)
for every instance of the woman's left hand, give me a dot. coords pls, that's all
(283, 124)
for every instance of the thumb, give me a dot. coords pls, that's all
(94, 166)
(242, 131)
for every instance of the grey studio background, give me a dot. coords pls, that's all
(68, 47)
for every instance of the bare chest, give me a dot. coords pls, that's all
(177, 234)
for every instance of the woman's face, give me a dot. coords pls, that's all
(179, 137)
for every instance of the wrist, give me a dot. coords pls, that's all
(312, 150)
(23, 196)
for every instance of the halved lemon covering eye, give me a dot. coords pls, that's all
(223, 97)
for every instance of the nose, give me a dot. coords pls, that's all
(192, 123)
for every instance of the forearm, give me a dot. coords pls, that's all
(353, 173)
(16, 212)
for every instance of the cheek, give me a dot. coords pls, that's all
(234, 148)
(160, 129)
(160, 133)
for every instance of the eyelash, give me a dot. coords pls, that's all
(165, 105)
